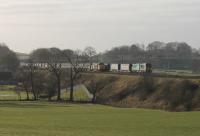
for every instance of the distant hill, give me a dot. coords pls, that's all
(22, 56)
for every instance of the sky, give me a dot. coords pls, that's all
(29, 24)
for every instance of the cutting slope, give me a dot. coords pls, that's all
(147, 92)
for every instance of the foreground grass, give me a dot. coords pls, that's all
(44, 119)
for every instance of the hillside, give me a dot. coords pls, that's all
(146, 92)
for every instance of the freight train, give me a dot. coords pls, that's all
(103, 67)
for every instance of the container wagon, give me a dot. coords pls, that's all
(114, 67)
(125, 67)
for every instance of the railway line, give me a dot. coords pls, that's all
(123, 69)
(161, 75)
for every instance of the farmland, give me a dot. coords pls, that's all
(9, 93)
(56, 119)
(176, 72)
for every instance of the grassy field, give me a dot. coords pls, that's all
(13, 95)
(45, 119)
(8, 93)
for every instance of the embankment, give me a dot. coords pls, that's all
(145, 92)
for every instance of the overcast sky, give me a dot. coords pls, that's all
(103, 24)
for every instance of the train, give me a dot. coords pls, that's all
(104, 67)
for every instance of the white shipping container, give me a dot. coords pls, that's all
(66, 65)
(45, 65)
(114, 67)
(143, 67)
(94, 66)
(125, 67)
(86, 66)
(22, 64)
(136, 67)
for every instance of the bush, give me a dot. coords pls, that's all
(145, 87)
(179, 94)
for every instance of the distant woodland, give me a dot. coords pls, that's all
(172, 55)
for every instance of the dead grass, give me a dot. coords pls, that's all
(148, 92)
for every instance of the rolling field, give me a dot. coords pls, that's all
(176, 72)
(8, 93)
(45, 119)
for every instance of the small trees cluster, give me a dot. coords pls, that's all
(78, 60)
(49, 80)
(172, 55)
(53, 58)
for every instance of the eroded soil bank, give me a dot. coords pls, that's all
(145, 92)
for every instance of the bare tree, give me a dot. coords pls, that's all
(78, 61)
(31, 69)
(23, 77)
(90, 52)
(53, 58)
(49, 85)
(95, 87)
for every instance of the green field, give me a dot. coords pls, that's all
(8, 93)
(176, 72)
(45, 119)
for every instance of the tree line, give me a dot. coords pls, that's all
(8, 59)
(172, 55)
(48, 82)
